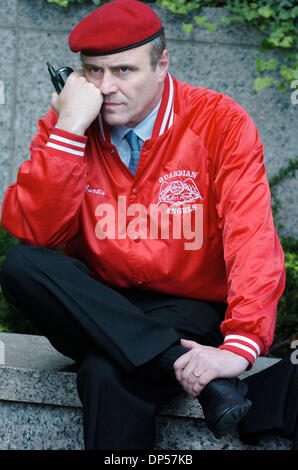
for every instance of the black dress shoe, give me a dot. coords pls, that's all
(224, 404)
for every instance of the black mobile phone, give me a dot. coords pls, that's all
(59, 76)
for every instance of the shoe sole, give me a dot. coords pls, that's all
(228, 421)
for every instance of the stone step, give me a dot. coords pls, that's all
(40, 408)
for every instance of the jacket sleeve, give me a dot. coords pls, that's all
(42, 207)
(253, 254)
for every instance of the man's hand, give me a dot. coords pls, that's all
(78, 104)
(207, 363)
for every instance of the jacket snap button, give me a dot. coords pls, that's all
(134, 190)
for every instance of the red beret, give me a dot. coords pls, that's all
(115, 27)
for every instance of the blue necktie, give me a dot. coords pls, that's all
(133, 142)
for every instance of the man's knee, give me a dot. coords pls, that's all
(23, 261)
(16, 263)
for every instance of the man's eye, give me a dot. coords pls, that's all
(124, 69)
(93, 69)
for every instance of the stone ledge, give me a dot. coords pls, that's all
(40, 408)
(34, 372)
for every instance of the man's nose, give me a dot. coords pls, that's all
(108, 83)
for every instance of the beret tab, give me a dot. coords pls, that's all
(115, 27)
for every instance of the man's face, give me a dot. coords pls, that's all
(130, 87)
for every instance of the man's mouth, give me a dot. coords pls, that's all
(110, 104)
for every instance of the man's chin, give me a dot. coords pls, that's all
(113, 119)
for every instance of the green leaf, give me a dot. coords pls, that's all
(294, 12)
(188, 27)
(211, 27)
(265, 64)
(61, 3)
(284, 14)
(179, 6)
(287, 41)
(201, 20)
(226, 20)
(276, 37)
(262, 82)
(250, 15)
(288, 73)
(266, 11)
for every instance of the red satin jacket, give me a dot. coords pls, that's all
(195, 220)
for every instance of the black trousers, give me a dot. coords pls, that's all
(274, 394)
(125, 341)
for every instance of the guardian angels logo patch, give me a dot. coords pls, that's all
(178, 188)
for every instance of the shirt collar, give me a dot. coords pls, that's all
(143, 129)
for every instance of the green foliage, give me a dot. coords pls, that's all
(12, 320)
(286, 329)
(278, 21)
(286, 172)
(203, 22)
(188, 27)
(181, 7)
(6, 242)
(287, 319)
(265, 64)
(262, 82)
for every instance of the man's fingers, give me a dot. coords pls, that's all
(188, 371)
(187, 343)
(182, 361)
(180, 365)
(200, 383)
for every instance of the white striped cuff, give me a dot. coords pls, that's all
(74, 145)
(242, 345)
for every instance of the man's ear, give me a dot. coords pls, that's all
(163, 64)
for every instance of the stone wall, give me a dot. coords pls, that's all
(41, 410)
(33, 32)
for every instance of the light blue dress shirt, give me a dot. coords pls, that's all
(143, 130)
